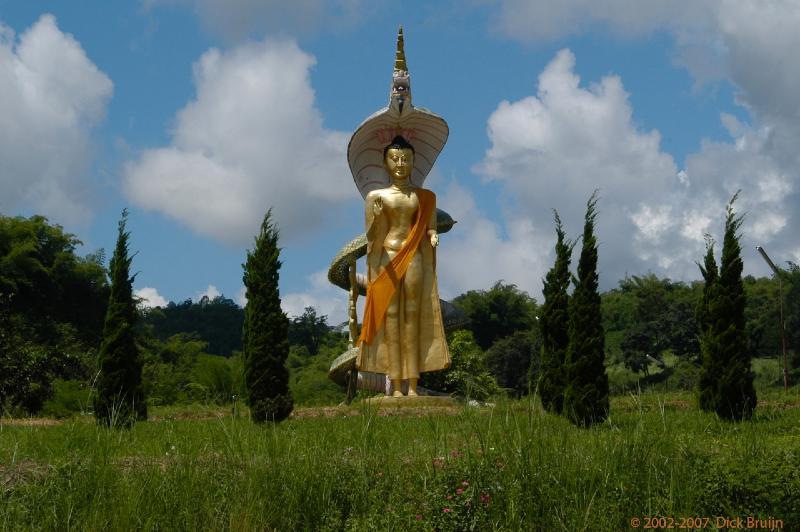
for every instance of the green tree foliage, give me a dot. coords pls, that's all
(266, 329)
(467, 375)
(586, 392)
(217, 321)
(44, 278)
(44, 335)
(791, 316)
(707, 383)
(120, 398)
(514, 362)
(167, 366)
(726, 385)
(496, 313)
(554, 323)
(309, 380)
(663, 319)
(308, 330)
(762, 316)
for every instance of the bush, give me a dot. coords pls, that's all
(467, 375)
(69, 398)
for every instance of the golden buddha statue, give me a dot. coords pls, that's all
(390, 155)
(402, 332)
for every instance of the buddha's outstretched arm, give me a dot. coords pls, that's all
(433, 234)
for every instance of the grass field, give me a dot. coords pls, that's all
(510, 467)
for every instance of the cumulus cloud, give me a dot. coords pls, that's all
(241, 296)
(210, 292)
(251, 139)
(552, 150)
(327, 299)
(149, 297)
(551, 19)
(747, 43)
(477, 252)
(51, 97)
(236, 19)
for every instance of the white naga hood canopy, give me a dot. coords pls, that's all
(424, 130)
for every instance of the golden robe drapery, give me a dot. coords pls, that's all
(385, 279)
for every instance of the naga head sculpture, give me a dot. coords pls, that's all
(400, 95)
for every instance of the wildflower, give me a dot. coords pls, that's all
(485, 499)
(447, 510)
(455, 453)
(459, 491)
(418, 517)
(464, 483)
(438, 462)
(449, 497)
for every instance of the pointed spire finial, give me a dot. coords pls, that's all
(400, 55)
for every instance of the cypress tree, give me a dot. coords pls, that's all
(733, 395)
(265, 335)
(707, 383)
(586, 391)
(120, 398)
(554, 323)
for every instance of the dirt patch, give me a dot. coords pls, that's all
(349, 411)
(21, 472)
(197, 415)
(30, 422)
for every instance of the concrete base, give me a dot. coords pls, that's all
(419, 401)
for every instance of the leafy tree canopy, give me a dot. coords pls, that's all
(498, 312)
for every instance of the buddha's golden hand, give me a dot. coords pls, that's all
(377, 206)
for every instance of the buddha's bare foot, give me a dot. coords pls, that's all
(398, 393)
(412, 393)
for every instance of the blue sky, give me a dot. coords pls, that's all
(198, 115)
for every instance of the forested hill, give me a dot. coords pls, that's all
(217, 321)
(53, 303)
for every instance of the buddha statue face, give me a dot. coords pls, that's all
(399, 162)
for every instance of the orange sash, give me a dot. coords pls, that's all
(381, 290)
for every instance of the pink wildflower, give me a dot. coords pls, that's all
(485, 499)
(449, 497)
(447, 510)
(464, 483)
(418, 517)
(459, 491)
(455, 453)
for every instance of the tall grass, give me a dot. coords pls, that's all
(511, 467)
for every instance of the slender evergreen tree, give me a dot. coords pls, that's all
(120, 398)
(586, 391)
(554, 324)
(708, 372)
(265, 337)
(725, 345)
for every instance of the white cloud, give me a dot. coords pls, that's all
(747, 43)
(241, 296)
(476, 254)
(327, 299)
(251, 139)
(551, 19)
(237, 19)
(210, 292)
(51, 97)
(149, 297)
(552, 150)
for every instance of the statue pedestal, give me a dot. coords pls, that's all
(419, 401)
